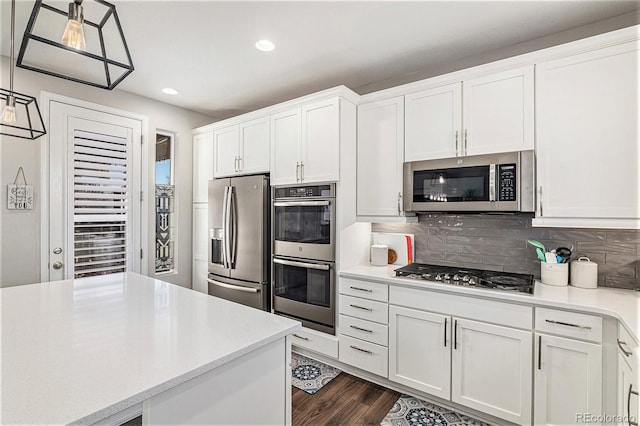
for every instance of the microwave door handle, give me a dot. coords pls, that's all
(492, 182)
(301, 203)
(307, 265)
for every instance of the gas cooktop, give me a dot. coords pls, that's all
(477, 278)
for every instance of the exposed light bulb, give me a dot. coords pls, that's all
(74, 32)
(9, 111)
(441, 179)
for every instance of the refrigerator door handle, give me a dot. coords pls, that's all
(227, 226)
(224, 229)
(234, 226)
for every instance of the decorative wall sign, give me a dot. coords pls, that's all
(20, 197)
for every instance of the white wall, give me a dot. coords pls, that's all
(20, 230)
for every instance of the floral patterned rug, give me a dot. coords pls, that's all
(410, 411)
(310, 375)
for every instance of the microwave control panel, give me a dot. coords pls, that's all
(507, 182)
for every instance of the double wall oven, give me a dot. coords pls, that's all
(303, 269)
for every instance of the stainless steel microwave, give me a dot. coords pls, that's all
(480, 183)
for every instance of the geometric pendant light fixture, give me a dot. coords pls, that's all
(20, 116)
(84, 43)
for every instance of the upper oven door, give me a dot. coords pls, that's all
(476, 183)
(304, 228)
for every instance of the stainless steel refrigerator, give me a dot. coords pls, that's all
(239, 244)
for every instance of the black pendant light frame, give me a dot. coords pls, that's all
(111, 11)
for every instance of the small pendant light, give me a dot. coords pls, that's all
(23, 123)
(74, 31)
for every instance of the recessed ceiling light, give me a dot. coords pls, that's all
(170, 91)
(265, 45)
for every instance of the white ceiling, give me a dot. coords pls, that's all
(205, 49)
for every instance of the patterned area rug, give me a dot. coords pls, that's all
(310, 375)
(410, 411)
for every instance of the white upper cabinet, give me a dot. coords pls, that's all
(242, 148)
(498, 112)
(587, 139)
(202, 165)
(320, 141)
(484, 115)
(380, 158)
(306, 144)
(433, 123)
(286, 133)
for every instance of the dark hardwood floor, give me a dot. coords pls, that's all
(346, 400)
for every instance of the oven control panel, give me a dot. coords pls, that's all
(310, 191)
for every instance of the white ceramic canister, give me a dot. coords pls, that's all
(554, 273)
(584, 273)
(379, 255)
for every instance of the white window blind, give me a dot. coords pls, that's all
(100, 204)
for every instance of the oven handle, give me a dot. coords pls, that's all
(302, 264)
(301, 203)
(233, 287)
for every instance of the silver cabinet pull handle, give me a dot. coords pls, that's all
(566, 324)
(233, 287)
(539, 352)
(540, 192)
(361, 307)
(455, 334)
(361, 350)
(445, 332)
(625, 352)
(300, 337)
(399, 200)
(298, 171)
(301, 171)
(239, 163)
(457, 153)
(466, 151)
(361, 329)
(631, 391)
(361, 289)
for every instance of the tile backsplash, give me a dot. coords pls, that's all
(499, 242)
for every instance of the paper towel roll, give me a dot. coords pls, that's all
(379, 254)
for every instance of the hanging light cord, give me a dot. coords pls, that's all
(13, 24)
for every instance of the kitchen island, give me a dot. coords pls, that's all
(105, 349)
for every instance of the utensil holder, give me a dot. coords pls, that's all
(554, 273)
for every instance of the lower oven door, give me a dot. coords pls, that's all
(305, 289)
(246, 293)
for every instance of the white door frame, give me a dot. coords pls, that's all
(45, 99)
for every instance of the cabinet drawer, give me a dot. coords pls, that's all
(316, 341)
(627, 347)
(365, 309)
(569, 324)
(367, 356)
(364, 330)
(364, 289)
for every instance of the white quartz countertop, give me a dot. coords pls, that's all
(621, 304)
(78, 351)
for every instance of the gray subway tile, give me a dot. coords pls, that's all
(447, 248)
(464, 258)
(463, 239)
(597, 247)
(622, 259)
(617, 271)
(483, 232)
(505, 242)
(618, 236)
(578, 235)
(620, 282)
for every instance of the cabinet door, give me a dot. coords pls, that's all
(491, 369)
(433, 121)
(254, 146)
(200, 239)
(627, 385)
(225, 151)
(568, 380)
(587, 135)
(320, 153)
(202, 165)
(380, 157)
(419, 350)
(498, 112)
(285, 147)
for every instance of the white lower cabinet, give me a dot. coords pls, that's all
(568, 380)
(200, 264)
(419, 350)
(491, 369)
(628, 379)
(316, 341)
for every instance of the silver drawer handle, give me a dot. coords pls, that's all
(361, 289)
(583, 327)
(361, 307)
(233, 287)
(360, 329)
(361, 350)
(626, 353)
(300, 337)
